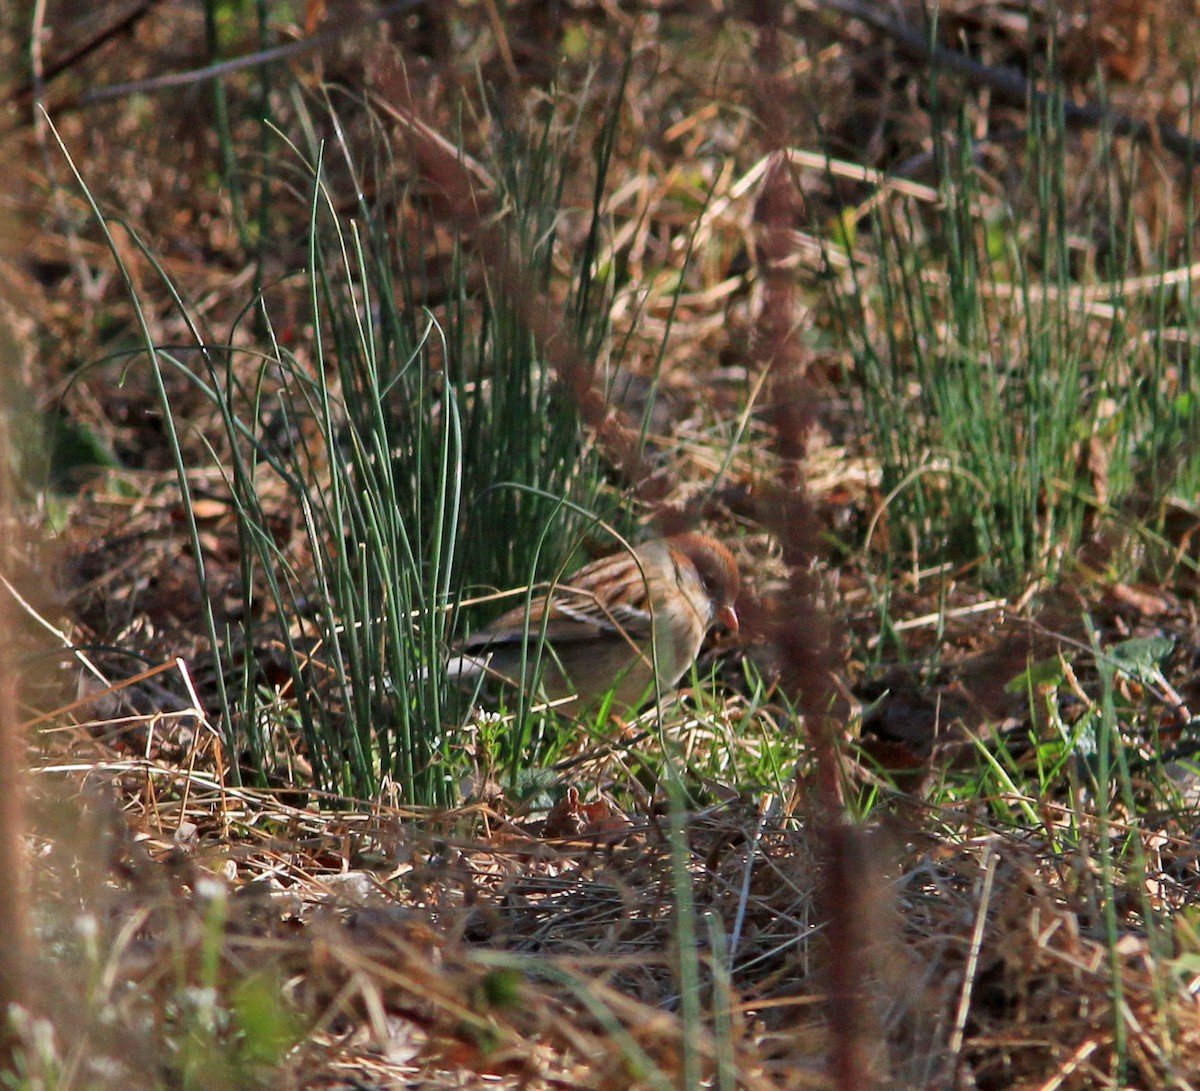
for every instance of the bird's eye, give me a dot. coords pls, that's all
(709, 579)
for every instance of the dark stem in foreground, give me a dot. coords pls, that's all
(797, 625)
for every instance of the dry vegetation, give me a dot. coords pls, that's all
(978, 924)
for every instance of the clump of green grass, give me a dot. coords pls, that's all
(417, 440)
(1012, 401)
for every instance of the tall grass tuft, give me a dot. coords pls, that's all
(405, 447)
(1009, 389)
(449, 448)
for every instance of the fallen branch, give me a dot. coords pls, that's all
(1011, 86)
(155, 84)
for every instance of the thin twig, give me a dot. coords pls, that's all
(1013, 87)
(971, 969)
(236, 64)
(119, 22)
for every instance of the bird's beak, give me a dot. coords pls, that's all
(727, 616)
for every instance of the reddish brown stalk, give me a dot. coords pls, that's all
(13, 917)
(462, 192)
(797, 625)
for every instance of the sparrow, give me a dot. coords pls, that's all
(631, 624)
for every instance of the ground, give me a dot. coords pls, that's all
(928, 820)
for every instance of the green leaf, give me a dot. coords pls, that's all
(1142, 657)
(270, 1026)
(502, 988)
(843, 229)
(1045, 672)
(75, 451)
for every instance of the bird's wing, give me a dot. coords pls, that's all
(574, 613)
(568, 618)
